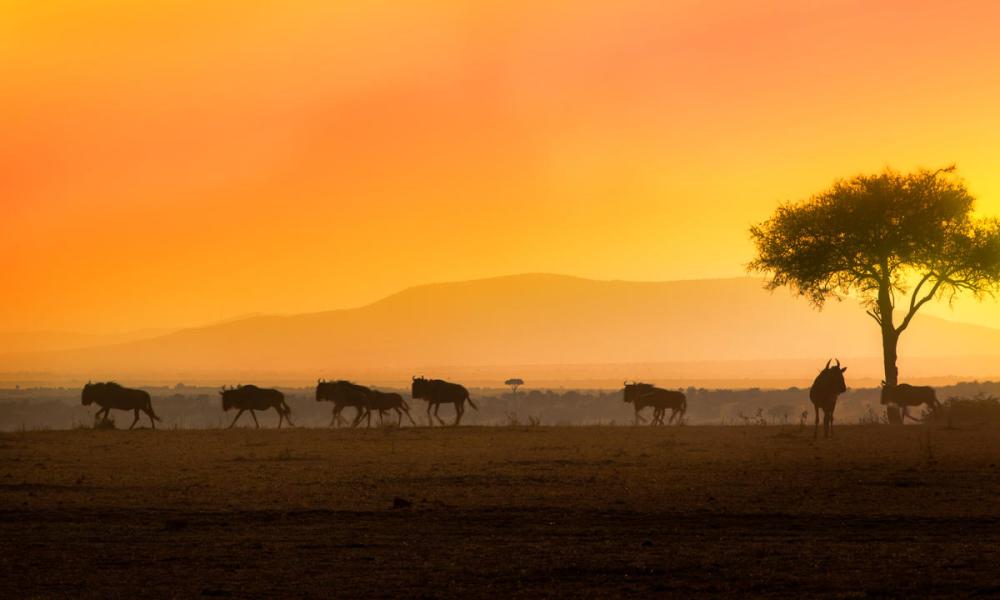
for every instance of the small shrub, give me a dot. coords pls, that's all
(870, 417)
(757, 419)
(981, 409)
(105, 424)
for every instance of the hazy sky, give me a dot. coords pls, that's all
(173, 163)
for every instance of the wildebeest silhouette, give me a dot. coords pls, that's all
(110, 395)
(824, 391)
(386, 401)
(437, 392)
(253, 398)
(343, 394)
(905, 395)
(643, 395)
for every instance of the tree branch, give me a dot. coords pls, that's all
(916, 304)
(916, 290)
(875, 316)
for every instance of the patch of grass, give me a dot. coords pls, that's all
(106, 424)
(870, 417)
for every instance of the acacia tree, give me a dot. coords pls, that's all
(896, 241)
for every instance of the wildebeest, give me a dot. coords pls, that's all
(643, 395)
(905, 395)
(110, 395)
(437, 392)
(386, 401)
(253, 398)
(343, 394)
(824, 391)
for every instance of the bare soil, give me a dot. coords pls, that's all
(531, 511)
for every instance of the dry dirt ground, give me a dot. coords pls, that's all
(535, 511)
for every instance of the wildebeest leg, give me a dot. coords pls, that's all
(437, 407)
(430, 421)
(336, 416)
(358, 417)
(816, 428)
(236, 419)
(281, 416)
(135, 420)
(459, 411)
(255, 422)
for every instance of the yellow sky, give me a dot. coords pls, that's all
(174, 163)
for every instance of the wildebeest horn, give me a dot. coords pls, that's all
(838, 362)
(828, 364)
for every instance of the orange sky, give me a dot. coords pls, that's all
(174, 163)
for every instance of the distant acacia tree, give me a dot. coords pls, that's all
(514, 384)
(896, 241)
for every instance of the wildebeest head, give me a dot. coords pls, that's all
(634, 390)
(89, 393)
(831, 379)
(227, 397)
(324, 390)
(419, 387)
(886, 393)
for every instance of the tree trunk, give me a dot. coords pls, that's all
(890, 339)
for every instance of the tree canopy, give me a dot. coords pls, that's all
(895, 240)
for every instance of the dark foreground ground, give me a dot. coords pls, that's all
(602, 511)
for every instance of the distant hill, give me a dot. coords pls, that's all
(526, 320)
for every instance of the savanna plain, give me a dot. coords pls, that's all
(511, 511)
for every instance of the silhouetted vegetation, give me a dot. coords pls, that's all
(514, 383)
(896, 241)
(980, 409)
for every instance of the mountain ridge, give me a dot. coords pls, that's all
(533, 318)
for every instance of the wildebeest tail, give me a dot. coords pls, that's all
(471, 403)
(149, 407)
